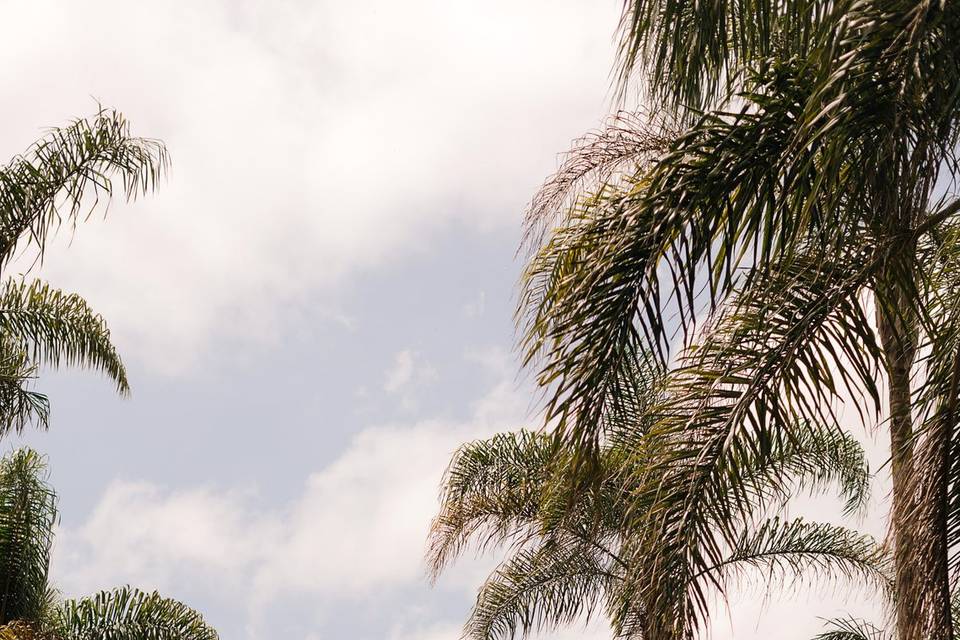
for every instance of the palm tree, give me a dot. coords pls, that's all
(59, 180)
(798, 171)
(30, 608)
(569, 551)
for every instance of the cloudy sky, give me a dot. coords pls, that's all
(316, 307)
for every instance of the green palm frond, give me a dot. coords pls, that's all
(510, 489)
(19, 404)
(63, 177)
(28, 512)
(598, 295)
(131, 614)
(539, 589)
(736, 403)
(58, 328)
(491, 490)
(808, 551)
(731, 409)
(692, 53)
(811, 460)
(852, 629)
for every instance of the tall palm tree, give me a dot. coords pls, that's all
(59, 180)
(798, 172)
(31, 609)
(570, 549)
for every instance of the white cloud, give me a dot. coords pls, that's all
(475, 307)
(358, 528)
(311, 141)
(407, 375)
(145, 534)
(408, 369)
(494, 359)
(362, 522)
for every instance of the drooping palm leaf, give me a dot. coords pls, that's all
(690, 53)
(539, 589)
(810, 551)
(637, 265)
(57, 328)
(66, 174)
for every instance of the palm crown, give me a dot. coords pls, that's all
(797, 175)
(575, 550)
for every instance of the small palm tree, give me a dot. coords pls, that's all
(782, 236)
(30, 608)
(61, 180)
(570, 549)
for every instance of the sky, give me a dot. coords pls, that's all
(316, 306)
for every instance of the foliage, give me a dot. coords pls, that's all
(803, 170)
(61, 179)
(30, 608)
(572, 552)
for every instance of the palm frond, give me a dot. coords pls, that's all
(599, 294)
(492, 490)
(131, 614)
(19, 404)
(811, 460)
(625, 144)
(538, 589)
(767, 370)
(852, 629)
(58, 328)
(692, 53)
(63, 177)
(28, 511)
(807, 551)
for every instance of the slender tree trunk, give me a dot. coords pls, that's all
(932, 535)
(900, 352)
(918, 513)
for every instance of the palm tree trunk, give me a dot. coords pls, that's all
(921, 585)
(899, 357)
